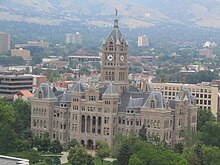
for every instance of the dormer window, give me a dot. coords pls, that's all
(40, 95)
(152, 104)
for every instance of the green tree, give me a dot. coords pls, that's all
(42, 144)
(79, 156)
(143, 133)
(204, 116)
(52, 160)
(134, 160)
(7, 113)
(198, 157)
(178, 148)
(32, 155)
(73, 143)
(8, 139)
(124, 154)
(22, 116)
(103, 150)
(211, 155)
(210, 134)
(56, 147)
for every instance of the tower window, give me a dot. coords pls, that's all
(111, 46)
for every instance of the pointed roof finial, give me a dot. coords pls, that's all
(116, 19)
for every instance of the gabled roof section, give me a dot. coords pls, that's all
(65, 97)
(79, 88)
(26, 93)
(133, 88)
(46, 90)
(187, 96)
(158, 97)
(135, 102)
(110, 90)
(136, 97)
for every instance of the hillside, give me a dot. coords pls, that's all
(135, 13)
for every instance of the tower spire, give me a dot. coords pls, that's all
(116, 19)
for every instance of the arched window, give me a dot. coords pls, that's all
(148, 123)
(113, 76)
(45, 112)
(35, 124)
(155, 124)
(152, 104)
(40, 95)
(110, 76)
(41, 123)
(158, 124)
(119, 120)
(111, 46)
(106, 75)
(45, 125)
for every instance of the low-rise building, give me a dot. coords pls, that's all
(25, 54)
(24, 95)
(12, 83)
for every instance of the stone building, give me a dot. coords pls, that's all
(113, 107)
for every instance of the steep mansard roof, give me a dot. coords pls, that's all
(133, 98)
(135, 102)
(46, 90)
(158, 97)
(115, 35)
(65, 97)
(79, 88)
(110, 90)
(136, 99)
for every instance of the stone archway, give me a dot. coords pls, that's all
(82, 143)
(90, 144)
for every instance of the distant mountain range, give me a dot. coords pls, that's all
(132, 13)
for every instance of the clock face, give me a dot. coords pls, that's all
(122, 58)
(110, 57)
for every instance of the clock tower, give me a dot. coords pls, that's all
(114, 67)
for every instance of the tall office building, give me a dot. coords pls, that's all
(115, 107)
(143, 41)
(4, 42)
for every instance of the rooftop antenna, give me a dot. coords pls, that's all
(116, 12)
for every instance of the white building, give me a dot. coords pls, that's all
(73, 38)
(143, 41)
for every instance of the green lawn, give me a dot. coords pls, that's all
(97, 162)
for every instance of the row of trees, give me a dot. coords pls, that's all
(11, 60)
